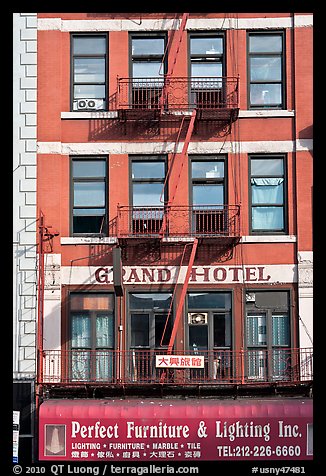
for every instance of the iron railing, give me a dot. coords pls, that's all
(179, 221)
(221, 366)
(179, 93)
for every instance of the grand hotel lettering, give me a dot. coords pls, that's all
(161, 275)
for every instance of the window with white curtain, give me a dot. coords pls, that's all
(268, 337)
(267, 186)
(92, 336)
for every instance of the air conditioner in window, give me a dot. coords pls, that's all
(197, 318)
(88, 104)
(250, 297)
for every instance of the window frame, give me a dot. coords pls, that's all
(151, 319)
(147, 158)
(207, 34)
(92, 316)
(269, 311)
(72, 70)
(285, 193)
(214, 180)
(148, 58)
(105, 178)
(282, 82)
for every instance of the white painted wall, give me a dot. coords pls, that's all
(24, 194)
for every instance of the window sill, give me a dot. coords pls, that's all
(86, 240)
(268, 239)
(89, 115)
(266, 113)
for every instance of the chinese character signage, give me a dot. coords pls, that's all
(180, 361)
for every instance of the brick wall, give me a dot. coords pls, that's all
(24, 192)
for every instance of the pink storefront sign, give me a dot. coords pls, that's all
(162, 430)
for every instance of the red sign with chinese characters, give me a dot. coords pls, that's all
(162, 430)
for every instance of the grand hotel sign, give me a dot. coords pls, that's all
(145, 275)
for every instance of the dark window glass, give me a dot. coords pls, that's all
(198, 338)
(222, 330)
(139, 330)
(89, 202)
(150, 300)
(163, 328)
(202, 301)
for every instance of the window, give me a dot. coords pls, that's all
(211, 334)
(267, 185)
(148, 176)
(206, 69)
(89, 72)
(265, 69)
(147, 69)
(89, 202)
(149, 330)
(268, 336)
(208, 195)
(92, 336)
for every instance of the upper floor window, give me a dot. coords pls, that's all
(148, 66)
(208, 194)
(148, 176)
(89, 72)
(89, 202)
(266, 70)
(267, 181)
(206, 68)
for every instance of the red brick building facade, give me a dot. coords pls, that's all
(174, 189)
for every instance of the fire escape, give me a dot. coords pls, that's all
(187, 102)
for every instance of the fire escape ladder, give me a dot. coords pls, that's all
(175, 47)
(182, 161)
(182, 296)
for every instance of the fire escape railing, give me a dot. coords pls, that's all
(137, 366)
(198, 221)
(180, 93)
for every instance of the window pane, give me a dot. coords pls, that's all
(139, 330)
(222, 330)
(147, 194)
(211, 69)
(150, 300)
(89, 45)
(267, 167)
(265, 44)
(148, 46)
(89, 194)
(202, 301)
(267, 218)
(89, 91)
(207, 169)
(104, 365)
(281, 365)
(88, 168)
(104, 331)
(206, 46)
(198, 337)
(88, 223)
(208, 194)
(265, 94)
(147, 70)
(89, 70)
(265, 194)
(80, 331)
(148, 169)
(256, 330)
(265, 68)
(160, 322)
(281, 329)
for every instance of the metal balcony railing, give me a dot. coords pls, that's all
(198, 221)
(111, 367)
(179, 93)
